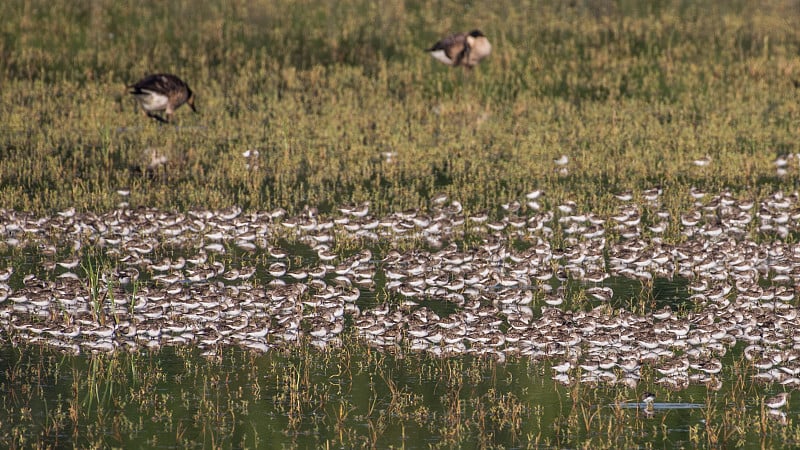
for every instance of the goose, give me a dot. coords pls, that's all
(462, 49)
(162, 92)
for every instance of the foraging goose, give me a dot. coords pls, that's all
(162, 92)
(462, 49)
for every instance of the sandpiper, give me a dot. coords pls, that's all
(462, 49)
(162, 92)
(777, 401)
(648, 398)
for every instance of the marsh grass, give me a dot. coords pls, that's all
(94, 269)
(342, 104)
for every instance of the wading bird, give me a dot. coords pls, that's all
(162, 92)
(778, 401)
(462, 49)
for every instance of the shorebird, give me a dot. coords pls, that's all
(162, 92)
(462, 49)
(648, 398)
(778, 401)
(562, 161)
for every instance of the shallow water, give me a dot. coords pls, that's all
(175, 397)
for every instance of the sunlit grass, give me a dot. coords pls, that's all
(342, 104)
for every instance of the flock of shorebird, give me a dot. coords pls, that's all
(510, 293)
(164, 92)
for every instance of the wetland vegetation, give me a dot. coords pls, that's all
(353, 245)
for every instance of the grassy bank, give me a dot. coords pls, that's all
(342, 104)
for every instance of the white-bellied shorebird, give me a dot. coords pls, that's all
(777, 401)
